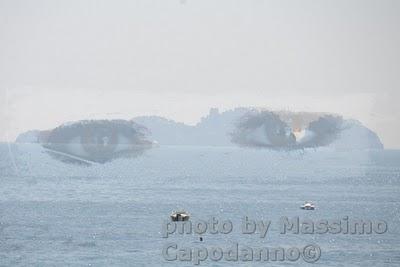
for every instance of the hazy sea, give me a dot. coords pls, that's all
(58, 214)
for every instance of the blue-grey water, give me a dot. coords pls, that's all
(58, 214)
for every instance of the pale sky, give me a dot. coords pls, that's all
(75, 59)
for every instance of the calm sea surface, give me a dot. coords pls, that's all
(58, 214)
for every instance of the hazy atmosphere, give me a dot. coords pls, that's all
(200, 132)
(71, 60)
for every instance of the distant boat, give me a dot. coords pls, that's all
(178, 216)
(308, 205)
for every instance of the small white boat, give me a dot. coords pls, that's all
(308, 205)
(179, 216)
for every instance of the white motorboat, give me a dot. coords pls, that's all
(308, 205)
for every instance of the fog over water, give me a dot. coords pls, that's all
(70, 60)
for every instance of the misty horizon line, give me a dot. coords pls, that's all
(211, 110)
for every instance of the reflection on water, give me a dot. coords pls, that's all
(74, 154)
